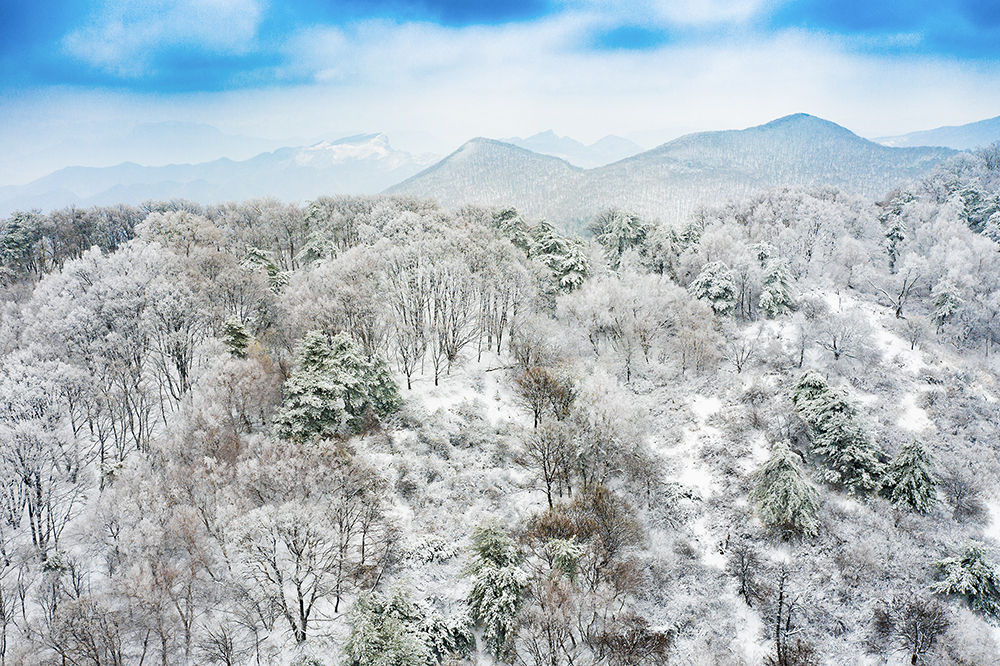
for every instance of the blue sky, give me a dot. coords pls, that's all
(178, 46)
(458, 68)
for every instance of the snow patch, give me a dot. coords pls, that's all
(703, 406)
(913, 418)
(993, 530)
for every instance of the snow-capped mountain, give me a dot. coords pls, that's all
(362, 164)
(670, 181)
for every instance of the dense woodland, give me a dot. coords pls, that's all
(370, 431)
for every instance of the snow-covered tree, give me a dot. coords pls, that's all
(776, 295)
(617, 231)
(908, 480)
(715, 284)
(838, 437)
(946, 301)
(971, 576)
(566, 258)
(783, 498)
(497, 587)
(394, 631)
(236, 337)
(334, 390)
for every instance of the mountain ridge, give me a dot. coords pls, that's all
(671, 180)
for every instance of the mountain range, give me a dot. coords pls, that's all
(605, 151)
(960, 137)
(363, 164)
(545, 175)
(670, 181)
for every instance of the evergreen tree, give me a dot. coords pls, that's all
(776, 295)
(972, 577)
(257, 259)
(334, 390)
(715, 284)
(838, 437)
(564, 257)
(394, 631)
(945, 299)
(236, 337)
(909, 481)
(497, 589)
(782, 496)
(617, 231)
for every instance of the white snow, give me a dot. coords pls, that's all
(913, 418)
(484, 380)
(993, 530)
(704, 406)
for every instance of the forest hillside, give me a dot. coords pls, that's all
(374, 430)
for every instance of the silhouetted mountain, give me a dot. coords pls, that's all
(670, 181)
(959, 137)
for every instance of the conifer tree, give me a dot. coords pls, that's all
(236, 337)
(334, 390)
(838, 437)
(909, 481)
(971, 576)
(782, 496)
(945, 299)
(776, 296)
(393, 631)
(497, 589)
(715, 284)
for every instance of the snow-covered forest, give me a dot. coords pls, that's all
(369, 431)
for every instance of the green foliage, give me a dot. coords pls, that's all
(564, 257)
(257, 259)
(945, 300)
(909, 481)
(782, 496)
(498, 587)
(565, 555)
(617, 231)
(236, 337)
(972, 577)
(838, 437)
(394, 631)
(715, 284)
(776, 295)
(334, 390)
(509, 223)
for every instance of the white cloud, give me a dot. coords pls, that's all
(124, 36)
(518, 79)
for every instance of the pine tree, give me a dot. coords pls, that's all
(838, 437)
(945, 299)
(382, 633)
(715, 284)
(564, 257)
(972, 577)
(776, 296)
(394, 631)
(782, 496)
(334, 390)
(617, 231)
(909, 481)
(497, 589)
(236, 337)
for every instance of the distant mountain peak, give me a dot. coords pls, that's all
(960, 137)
